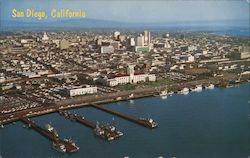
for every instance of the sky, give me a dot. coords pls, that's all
(139, 11)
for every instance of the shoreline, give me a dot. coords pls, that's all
(84, 101)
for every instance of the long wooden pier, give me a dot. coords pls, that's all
(106, 132)
(50, 135)
(77, 118)
(124, 116)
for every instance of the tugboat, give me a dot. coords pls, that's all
(150, 122)
(51, 130)
(59, 147)
(70, 141)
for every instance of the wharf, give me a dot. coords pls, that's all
(124, 116)
(77, 118)
(51, 136)
(107, 132)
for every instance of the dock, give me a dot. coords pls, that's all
(77, 118)
(142, 122)
(49, 135)
(107, 132)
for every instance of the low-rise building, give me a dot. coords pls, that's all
(80, 90)
(107, 49)
(131, 77)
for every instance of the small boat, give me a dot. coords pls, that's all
(184, 91)
(170, 93)
(211, 86)
(131, 95)
(163, 93)
(229, 86)
(2, 126)
(198, 88)
(59, 147)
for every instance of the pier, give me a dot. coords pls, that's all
(106, 132)
(77, 118)
(142, 122)
(50, 135)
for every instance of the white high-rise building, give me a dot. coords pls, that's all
(132, 42)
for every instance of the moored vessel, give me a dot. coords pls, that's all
(198, 88)
(150, 122)
(51, 130)
(59, 147)
(184, 91)
(211, 86)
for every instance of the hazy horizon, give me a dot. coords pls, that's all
(137, 12)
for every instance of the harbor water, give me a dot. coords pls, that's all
(208, 124)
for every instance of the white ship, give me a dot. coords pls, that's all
(211, 86)
(198, 88)
(184, 91)
(164, 94)
(170, 93)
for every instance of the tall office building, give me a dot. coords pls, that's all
(132, 42)
(140, 41)
(146, 38)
